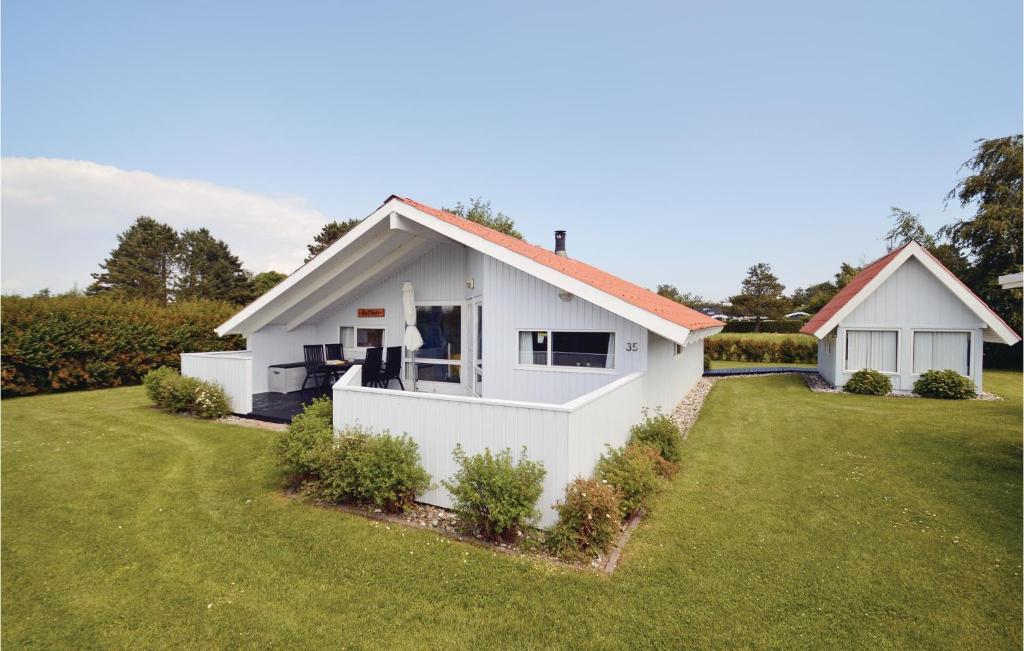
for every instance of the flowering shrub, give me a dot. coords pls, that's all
(661, 433)
(947, 384)
(170, 391)
(867, 382)
(664, 468)
(588, 520)
(494, 496)
(630, 470)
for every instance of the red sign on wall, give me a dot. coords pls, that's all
(370, 313)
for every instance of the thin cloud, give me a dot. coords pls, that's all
(61, 218)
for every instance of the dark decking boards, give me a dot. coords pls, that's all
(282, 407)
(759, 370)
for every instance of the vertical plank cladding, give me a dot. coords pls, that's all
(232, 370)
(514, 301)
(568, 439)
(274, 344)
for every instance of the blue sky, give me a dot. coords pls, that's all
(676, 142)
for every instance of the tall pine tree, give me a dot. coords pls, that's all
(328, 235)
(142, 264)
(208, 270)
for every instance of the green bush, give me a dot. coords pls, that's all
(307, 432)
(588, 520)
(389, 471)
(785, 326)
(661, 433)
(947, 384)
(785, 350)
(867, 382)
(663, 467)
(493, 496)
(632, 472)
(177, 394)
(357, 466)
(91, 342)
(707, 362)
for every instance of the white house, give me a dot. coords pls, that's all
(902, 315)
(523, 345)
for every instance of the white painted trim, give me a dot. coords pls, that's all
(945, 276)
(972, 346)
(899, 346)
(1012, 281)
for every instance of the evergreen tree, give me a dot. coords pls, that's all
(328, 235)
(208, 270)
(142, 264)
(761, 296)
(264, 281)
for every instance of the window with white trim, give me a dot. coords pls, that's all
(938, 350)
(872, 349)
(567, 349)
(358, 337)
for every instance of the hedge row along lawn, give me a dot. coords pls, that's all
(797, 519)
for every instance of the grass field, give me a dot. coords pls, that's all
(767, 336)
(797, 520)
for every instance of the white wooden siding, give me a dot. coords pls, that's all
(910, 300)
(567, 438)
(275, 345)
(232, 370)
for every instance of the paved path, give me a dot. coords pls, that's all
(759, 370)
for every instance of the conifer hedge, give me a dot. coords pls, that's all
(90, 342)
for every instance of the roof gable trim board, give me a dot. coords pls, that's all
(945, 276)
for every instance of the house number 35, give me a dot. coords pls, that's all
(632, 346)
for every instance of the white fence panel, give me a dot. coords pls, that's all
(230, 369)
(567, 439)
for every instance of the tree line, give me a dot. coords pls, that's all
(153, 261)
(978, 248)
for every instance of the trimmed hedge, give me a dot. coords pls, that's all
(787, 327)
(784, 351)
(91, 342)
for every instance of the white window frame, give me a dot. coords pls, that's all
(970, 348)
(463, 383)
(846, 348)
(355, 335)
(519, 366)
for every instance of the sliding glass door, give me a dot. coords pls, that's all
(440, 360)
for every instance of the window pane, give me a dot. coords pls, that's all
(585, 349)
(533, 347)
(441, 329)
(347, 337)
(872, 349)
(942, 350)
(369, 337)
(438, 373)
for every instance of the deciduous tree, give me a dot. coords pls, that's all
(480, 212)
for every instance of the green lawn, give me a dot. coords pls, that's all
(797, 520)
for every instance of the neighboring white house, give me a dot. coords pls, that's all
(902, 315)
(523, 346)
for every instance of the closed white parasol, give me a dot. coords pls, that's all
(412, 340)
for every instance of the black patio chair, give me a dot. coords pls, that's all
(393, 367)
(373, 375)
(314, 361)
(335, 351)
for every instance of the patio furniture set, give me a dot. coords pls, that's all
(325, 363)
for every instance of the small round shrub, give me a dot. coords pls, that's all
(308, 430)
(493, 496)
(661, 433)
(867, 382)
(664, 468)
(947, 384)
(389, 472)
(588, 520)
(332, 466)
(632, 472)
(210, 401)
(158, 384)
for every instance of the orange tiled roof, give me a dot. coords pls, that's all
(635, 295)
(847, 293)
